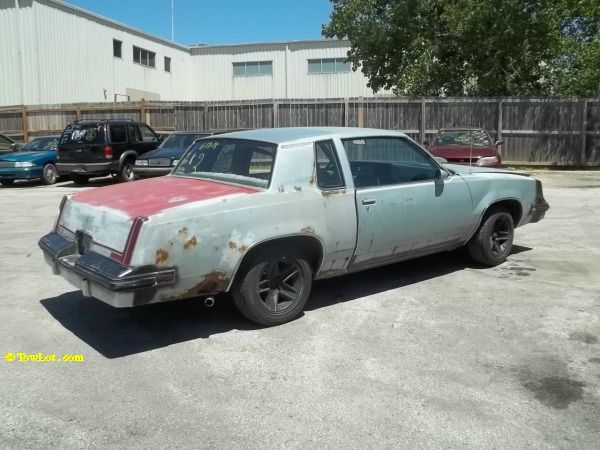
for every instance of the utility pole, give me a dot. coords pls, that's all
(172, 23)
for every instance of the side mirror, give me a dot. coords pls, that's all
(426, 143)
(14, 146)
(440, 175)
(440, 160)
(499, 142)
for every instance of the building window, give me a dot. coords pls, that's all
(167, 64)
(329, 65)
(117, 48)
(144, 57)
(252, 69)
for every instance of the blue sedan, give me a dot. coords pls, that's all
(35, 160)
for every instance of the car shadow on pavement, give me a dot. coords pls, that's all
(115, 333)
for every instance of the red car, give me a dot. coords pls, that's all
(469, 146)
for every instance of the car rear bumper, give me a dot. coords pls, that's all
(151, 171)
(20, 173)
(103, 168)
(540, 206)
(101, 277)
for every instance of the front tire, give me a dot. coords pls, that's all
(492, 243)
(275, 287)
(49, 174)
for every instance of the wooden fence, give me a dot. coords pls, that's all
(536, 131)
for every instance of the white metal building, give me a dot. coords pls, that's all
(55, 53)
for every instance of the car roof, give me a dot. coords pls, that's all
(307, 134)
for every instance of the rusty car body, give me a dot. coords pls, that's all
(263, 213)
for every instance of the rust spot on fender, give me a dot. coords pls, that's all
(212, 282)
(297, 188)
(311, 180)
(308, 229)
(191, 242)
(182, 231)
(171, 243)
(243, 248)
(232, 245)
(161, 256)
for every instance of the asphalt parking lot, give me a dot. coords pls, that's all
(432, 353)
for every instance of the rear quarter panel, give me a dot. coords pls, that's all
(207, 241)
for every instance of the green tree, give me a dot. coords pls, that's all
(471, 47)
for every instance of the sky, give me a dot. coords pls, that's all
(218, 22)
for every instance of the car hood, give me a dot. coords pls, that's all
(466, 170)
(145, 198)
(176, 152)
(27, 156)
(462, 152)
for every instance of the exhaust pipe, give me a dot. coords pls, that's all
(209, 302)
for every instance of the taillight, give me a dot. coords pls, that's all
(108, 152)
(131, 240)
(60, 209)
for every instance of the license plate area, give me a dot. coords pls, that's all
(84, 241)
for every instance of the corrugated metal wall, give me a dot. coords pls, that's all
(60, 55)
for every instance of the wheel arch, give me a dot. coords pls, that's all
(511, 204)
(127, 154)
(309, 245)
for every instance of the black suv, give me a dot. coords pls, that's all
(96, 148)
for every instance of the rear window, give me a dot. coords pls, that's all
(83, 133)
(233, 160)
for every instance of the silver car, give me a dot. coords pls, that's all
(263, 213)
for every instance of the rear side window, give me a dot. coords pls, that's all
(118, 133)
(83, 133)
(329, 175)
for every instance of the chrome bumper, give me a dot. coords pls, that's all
(101, 277)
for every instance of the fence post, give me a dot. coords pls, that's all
(361, 113)
(582, 158)
(422, 127)
(24, 124)
(143, 110)
(204, 112)
(78, 113)
(346, 111)
(499, 126)
(275, 114)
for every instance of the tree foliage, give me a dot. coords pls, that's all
(473, 47)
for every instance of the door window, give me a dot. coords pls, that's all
(134, 134)
(329, 175)
(118, 134)
(382, 161)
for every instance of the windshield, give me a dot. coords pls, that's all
(236, 161)
(41, 144)
(83, 133)
(476, 138)
(181, 140)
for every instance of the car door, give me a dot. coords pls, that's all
(403, 208)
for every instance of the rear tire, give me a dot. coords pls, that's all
(126, 173)
(492, 243)
(79, 179)
(49, 174)
(7, 182)
(275, 286)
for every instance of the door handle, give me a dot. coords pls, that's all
(369, 201)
